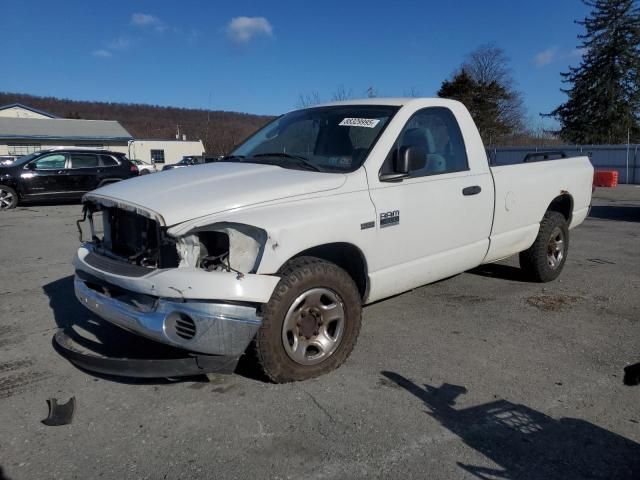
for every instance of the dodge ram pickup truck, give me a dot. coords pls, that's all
(279, 245)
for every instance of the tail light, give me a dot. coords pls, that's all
(134, 169)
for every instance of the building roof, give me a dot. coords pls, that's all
(26, 107)
(61, 129)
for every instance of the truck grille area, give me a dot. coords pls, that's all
(135, 239)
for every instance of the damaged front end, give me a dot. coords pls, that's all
(198, 291)
(138, 239)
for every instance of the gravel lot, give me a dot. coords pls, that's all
(479, 376)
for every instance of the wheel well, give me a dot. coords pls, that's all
(562, 204)
(348, 257)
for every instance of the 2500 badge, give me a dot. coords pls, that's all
(389, 219)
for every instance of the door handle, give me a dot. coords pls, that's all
(474, 190)
(59, 172)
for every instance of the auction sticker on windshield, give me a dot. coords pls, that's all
(359, 122)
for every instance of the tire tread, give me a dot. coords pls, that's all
(533, 261)
(272, 364)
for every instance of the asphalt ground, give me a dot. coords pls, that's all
(483, 375)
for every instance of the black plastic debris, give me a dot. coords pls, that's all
(632, 374)
(60, 414)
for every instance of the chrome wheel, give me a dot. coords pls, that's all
(313, 326)
(555, 248)
(6, 199)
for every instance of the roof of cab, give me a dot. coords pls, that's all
(390, 101)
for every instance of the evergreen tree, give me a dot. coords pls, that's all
(604, 95)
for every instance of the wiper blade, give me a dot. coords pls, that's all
(299, 159)
(229, 158)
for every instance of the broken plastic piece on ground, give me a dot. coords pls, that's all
(632, 374)
(60, 414)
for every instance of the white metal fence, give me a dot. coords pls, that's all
(625, 159)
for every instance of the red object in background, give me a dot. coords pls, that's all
(605, 178)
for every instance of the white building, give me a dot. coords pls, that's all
(17, 110)
(25, 130)
(164, 152)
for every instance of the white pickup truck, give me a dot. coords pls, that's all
(279, 245)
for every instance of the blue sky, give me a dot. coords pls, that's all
(258, 57)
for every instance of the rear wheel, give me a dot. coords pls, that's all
(545, 259)
(311, 322)
(8, 198)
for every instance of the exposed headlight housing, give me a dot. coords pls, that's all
(223, 246)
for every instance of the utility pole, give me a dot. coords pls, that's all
(627, 170)
(206, 132)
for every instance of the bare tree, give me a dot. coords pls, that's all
(309, 99)
(341, 93)
(489, 64)
(372, 92)
(413, 92)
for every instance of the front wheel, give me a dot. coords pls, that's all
(544, 260)
(311, 323)
(8, 198)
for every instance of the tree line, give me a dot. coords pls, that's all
(602, 106)
(220, 131)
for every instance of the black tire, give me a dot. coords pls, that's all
(298, 277)
(537, 262)
(8, 197)
(144, 172)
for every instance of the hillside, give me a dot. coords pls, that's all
(219, 134)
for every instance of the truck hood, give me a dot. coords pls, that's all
(182, 194)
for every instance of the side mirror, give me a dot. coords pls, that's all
(407, 160)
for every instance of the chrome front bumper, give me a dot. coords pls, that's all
(200, 326)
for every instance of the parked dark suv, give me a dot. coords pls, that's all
(60, 174)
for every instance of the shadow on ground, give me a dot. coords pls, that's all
(497, 270)
(623, 213)
(525, 443)
(100, 337)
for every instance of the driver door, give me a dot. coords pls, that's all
(435, 222)
(45, 176)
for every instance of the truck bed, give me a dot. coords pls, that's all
(523, 192)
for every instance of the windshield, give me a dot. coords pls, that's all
(328, 139)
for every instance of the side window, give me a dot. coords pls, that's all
(108, 161)
(436, 130)
(83, 160)
(50, 162)
(157, 156)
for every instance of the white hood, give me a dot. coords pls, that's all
(184, 194)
